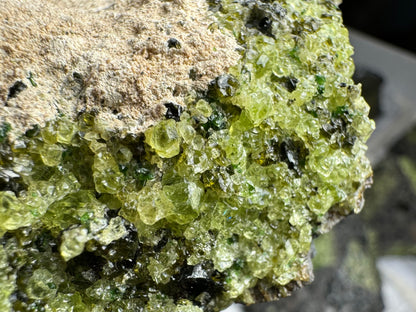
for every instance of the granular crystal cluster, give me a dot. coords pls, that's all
(218, 202)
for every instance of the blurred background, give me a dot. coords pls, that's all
(368, 262)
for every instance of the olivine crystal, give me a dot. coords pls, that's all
(217, 203)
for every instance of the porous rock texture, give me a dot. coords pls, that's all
(118, 58)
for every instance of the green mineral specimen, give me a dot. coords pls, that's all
(216, 206)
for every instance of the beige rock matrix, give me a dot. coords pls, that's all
(120, 59)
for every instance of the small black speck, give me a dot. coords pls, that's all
(288, 82)
(291, 84)
(342, 84)
(262, 20)
(174, 111)
(97, 195)
(17, 87)
(291, 101)
(34, 131)
(265, 24)
(193, 75)
(214, 5)
(174, 43)
(111, 213)
(78, 77)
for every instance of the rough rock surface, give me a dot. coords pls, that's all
(122, 59)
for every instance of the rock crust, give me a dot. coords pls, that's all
(120, 59)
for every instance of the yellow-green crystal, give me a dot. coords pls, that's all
(164, 138)
(219, 206)
(41, 285)
(7, 281)
(73, 243)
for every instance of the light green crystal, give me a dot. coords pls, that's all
(149, 205)
(73, 243)
(66, 303)
(164, 139)
(107, 177)
(13, 213)
(51, 155)
(114, 231)
(41, 285)
(160, 268)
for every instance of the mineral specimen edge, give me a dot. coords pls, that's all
(214, 201)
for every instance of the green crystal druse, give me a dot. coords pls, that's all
(219, 204)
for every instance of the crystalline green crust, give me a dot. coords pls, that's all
(217, 205)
